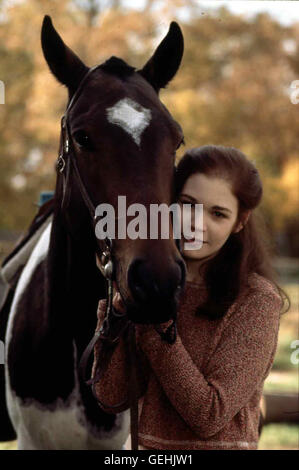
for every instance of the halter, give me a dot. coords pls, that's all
(115, 323)
(66, 159)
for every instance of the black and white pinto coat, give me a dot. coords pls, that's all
(61, 412)
(52, 316)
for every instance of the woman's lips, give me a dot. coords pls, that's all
(192, 240)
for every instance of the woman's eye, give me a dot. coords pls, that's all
(219, 214)
(83, 140)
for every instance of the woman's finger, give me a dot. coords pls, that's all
(101, 308)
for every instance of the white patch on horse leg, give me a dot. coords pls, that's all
(62, 425)
(131, 117)
(37, 255)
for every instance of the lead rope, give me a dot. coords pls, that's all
(133, 388)
(108, 333)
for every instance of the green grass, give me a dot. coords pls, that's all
(279, 437)
(10, 445)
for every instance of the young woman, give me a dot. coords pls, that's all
(204, 391)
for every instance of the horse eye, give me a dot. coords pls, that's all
(83, 140)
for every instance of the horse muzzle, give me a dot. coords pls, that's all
(154, 293)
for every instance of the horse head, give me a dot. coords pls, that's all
(121, 141)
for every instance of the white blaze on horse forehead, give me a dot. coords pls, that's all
(131, 117)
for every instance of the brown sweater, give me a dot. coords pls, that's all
(203, 392)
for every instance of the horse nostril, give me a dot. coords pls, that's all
(136, 282)
(139, 293)
(144, 286)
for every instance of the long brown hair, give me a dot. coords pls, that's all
(249, 249)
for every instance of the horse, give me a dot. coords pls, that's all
(117, 138)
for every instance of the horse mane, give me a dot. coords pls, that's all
(118, 67)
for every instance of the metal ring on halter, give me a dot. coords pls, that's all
(108, 242)
(60, 165)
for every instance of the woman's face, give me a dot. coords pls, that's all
(220, 212)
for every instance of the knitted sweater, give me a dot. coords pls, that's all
(202, 392)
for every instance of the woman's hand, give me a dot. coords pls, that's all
(101, 312)
(144, 333)
(148, 334)
(117, 304)
(116, 324)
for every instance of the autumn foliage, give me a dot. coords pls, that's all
(233, 89)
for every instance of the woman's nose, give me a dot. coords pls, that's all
(202, 228)
(200, 224)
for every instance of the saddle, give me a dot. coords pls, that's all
(14, 263)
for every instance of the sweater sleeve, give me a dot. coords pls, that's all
(112, 390)
(239, 364)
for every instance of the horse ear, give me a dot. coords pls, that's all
(164, 63)
(62, 61)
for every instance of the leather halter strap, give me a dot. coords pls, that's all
(67, 147)
(67, 160)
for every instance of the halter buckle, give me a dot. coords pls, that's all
(67, 146)
(60, 165)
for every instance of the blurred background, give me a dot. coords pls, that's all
(236, 87)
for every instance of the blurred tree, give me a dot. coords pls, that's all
(281, 202)
(233, 89)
